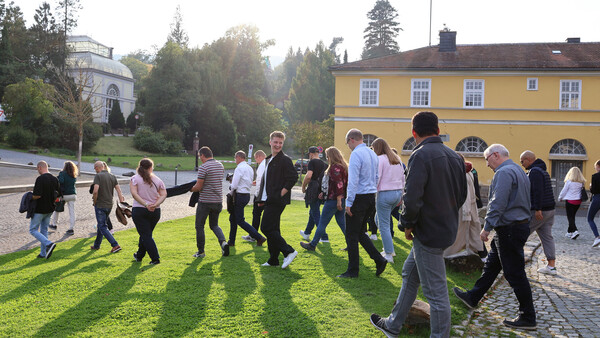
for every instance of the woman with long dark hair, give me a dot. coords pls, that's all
(148, 192)
(67, 178)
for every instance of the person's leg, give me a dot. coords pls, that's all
(340, 216)
(407, 295)
(34, 227)
(214, 209)
(71, 205)
(329, 209)
(242, 201)
(491, 269)
(571, 209)
(145, 221)
(386, 201)
(109, 225)
(592, 211)
(256, 213)
(101, 223)
(233, 225)
(270, 226)
(544, 231)
(54, 218)
(363, 239)
(354, 227)
(201, 215)
(104, 229)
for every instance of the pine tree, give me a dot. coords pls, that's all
(380, 37)
(177, 34)
(115, 117)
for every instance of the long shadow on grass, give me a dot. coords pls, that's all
(185, 300)
(94, 307)
(239, 282)
(5, 259)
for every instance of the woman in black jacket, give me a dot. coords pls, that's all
(595, 203)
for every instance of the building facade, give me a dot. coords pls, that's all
(544, 97)
(110, 81)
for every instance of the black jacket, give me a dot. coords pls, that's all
(436, 188)
(27, 204)
(595, 189)
(280, 174)
(184, 189)
(542, 196)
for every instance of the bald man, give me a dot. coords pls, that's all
(104, 184)
(45, 192)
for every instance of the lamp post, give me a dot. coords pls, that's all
(196, 147)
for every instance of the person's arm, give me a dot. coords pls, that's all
(134, 192)
(413, 196)
(198, 186)
(118, 189)
(307, 179)
(498, 199)
(237, 175)
(564, 190)
(162, 195)
(290, 175)
(95, 193)
(353, 169)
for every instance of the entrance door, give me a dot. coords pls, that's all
(559, 171)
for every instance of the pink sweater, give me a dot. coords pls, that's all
(391, 177)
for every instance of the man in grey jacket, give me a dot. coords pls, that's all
(508, 214)
(436, 187)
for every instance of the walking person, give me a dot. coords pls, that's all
(360, 204)
(509, 211)
(542, 207)
(45, 192)
(389, 193)
(435, 189)
(210, 201)
(595, 204)
(279, 178)
(67, 179)
(259, 157)
(240, 188)
(571, 194)
(311, 187)
(102, 196)
(337, 183)
(148, 192)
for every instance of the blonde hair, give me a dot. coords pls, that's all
(278, 134)
(575, 175)
(381, 147)
(334, 156)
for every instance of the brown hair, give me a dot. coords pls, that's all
(143, 170)
(241, 154)
(334, 156)
(206, 152)
(71, 169)
(381, 147)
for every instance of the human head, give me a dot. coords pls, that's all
(205, 154)
(575, 175)
(98, 166)
(240, 156)
(495, 155)
(145, 168)
(527, 158)
(71, 169)
(597, 165)
(313, 152)
(354, 137)
(276, 140)
(381, 147)
(425, 124)
(42, 167)
(259, 156)
(334, 156)
(105, 166)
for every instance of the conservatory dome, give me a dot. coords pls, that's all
(88, 54)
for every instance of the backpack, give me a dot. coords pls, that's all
(325, 186)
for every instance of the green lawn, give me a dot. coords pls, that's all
(79, 292)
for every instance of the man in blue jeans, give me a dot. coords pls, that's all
(509, 215)
(102, 195)
(436, 187)
(311, 186)
(45, 191)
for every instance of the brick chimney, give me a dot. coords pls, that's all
(447, 41)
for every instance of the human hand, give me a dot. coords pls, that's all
(348, 211)
(538, 215)
(484, 235)
(339, 206)
(408, 234)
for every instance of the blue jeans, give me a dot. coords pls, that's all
(102, 215)
(592, 211)
(41, 222)
(386, 202)
(314, 215)
(424, 266)
(329, 210)
(145, 221)
(237, 218)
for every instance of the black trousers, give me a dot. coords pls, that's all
(145, 221)
(256, 213)
(356, 226)
(571, 210)
(270, 227)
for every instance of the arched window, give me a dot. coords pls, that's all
(113, 90)
(409, 146)
(368, 139)
(471, 145)
(113, 93)
(568, 146)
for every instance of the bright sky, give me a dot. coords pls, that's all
(128, 25)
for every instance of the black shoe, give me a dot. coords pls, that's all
(155, 262)
(380, 266)
(225, 248)
(307, 246)
(379, 324)
(135, 256)
(70, 232)
(40, 256)
(520, 323)
(464, 296)
(230, 243)
(53, 227)
(347, 275)
(49, 250)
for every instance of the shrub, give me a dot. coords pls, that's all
(3, 130)
(131, 122)
(115, 117)
(147, 140)
(173, 133)
(20, 138)
(173, 147)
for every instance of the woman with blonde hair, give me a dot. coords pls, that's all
(389, 192)
(571, 194)
(335, 196)
(67, 178)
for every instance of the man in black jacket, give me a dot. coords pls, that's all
(542, 207)
(45, 192)
(275, 190)
(436, 187)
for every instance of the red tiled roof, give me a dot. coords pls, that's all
(518, 56)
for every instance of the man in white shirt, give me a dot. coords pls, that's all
(240, 188)
(259, 157)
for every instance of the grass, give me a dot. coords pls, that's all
(79, 292)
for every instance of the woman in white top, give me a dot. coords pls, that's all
(571, 194)
(148, 192)
(389, 192)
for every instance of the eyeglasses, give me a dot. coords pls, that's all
(490, 155)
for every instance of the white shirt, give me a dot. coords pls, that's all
(264, 194)
(571, 191)
(259, 174)
(242, 178)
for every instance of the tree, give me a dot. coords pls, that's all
(14, 54)
(138, 68)
(333, 47)
(115, 117)
(67, 12)
(26, 104)
(305, 134)
(282, 77)
(380, 37)
(177, 34)
(48, 47)
(345, 56)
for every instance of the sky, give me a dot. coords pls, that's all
(128, 25)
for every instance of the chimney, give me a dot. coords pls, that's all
(110, 52)
(447, 41)
(573, 40)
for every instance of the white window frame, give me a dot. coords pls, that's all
(369, 90)
(570, 93)
(414, 90)
(467, 92)
(533, 80)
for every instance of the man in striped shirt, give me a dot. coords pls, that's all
(210, 201)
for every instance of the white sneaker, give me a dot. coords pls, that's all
(323, 240)
(548, 270)
(569, 234)
(596, 242)
(575, 235)
(199, 255)
(389, 258)
(305, 236)
(288, 260)
(373, 237)
(248, 239)
(383, 253)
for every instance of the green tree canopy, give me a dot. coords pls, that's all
(380, 37)
(26, 103)
(116, 119)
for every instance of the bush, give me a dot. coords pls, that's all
(3, 130)
(173, 147)
(173, 133)
(147, 140)
(131, 122)
(20, 138)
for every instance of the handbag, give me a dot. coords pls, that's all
(59, 206)
(584, 195)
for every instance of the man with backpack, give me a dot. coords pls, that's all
(311, 186)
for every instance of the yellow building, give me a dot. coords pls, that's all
(544, 97)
